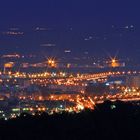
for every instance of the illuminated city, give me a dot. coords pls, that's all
(69, 70)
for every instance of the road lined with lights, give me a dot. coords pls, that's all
(80, 100)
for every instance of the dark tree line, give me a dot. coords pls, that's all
(109, 120)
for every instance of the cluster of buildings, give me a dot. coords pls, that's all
(133, 81)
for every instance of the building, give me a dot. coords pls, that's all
(97, 88)
(133, 81)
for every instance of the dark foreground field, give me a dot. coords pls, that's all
(108, 121)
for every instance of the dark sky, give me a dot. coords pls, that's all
(96, 26)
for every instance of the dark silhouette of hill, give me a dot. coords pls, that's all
(110, 120)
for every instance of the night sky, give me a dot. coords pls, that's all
(81, 26)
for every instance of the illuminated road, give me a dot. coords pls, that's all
(78, 82)
(89, 101)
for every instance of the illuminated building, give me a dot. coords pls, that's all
(115, 63)
(9, 65)
(133, 81)
(52, 63)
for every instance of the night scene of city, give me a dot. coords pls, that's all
(69, 69)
